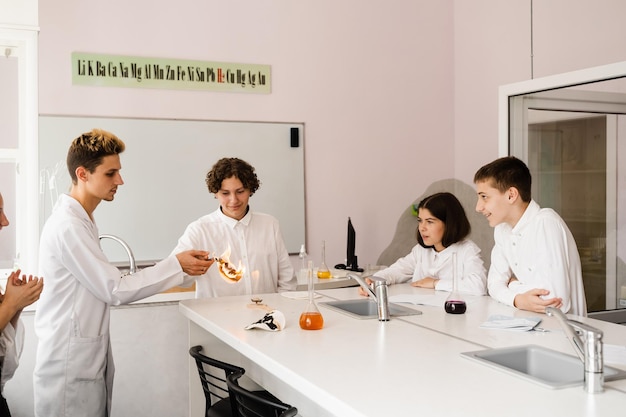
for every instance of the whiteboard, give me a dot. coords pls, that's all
(163, 168)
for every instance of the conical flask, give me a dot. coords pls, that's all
(454, 303)
(311, 318)
(323, 271)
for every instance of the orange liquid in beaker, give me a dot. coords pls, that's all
(311, 320)
(324, 274)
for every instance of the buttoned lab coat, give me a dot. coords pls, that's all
(74, 365)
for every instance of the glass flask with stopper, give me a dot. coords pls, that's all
(323, 271)
(454, 303)
(311, 318)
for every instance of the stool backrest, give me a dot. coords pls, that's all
(255, 404)
(213, 374)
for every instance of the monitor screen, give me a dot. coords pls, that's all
(350, 256)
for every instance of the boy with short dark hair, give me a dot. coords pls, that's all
(535, 262)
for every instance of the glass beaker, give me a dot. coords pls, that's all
(311, 318)
(323, 271)
(454, 303)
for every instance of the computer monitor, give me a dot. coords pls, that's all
(351, 258)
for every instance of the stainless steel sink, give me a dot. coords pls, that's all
(543, 366)
(614, 316)
(366, 308)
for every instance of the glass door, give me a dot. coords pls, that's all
(567, 157)
(572, 145)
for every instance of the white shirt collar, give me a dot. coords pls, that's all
(530, 212)
(233, 222)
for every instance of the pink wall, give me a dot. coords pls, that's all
(370, 80)
(572, 35)
(492, 47)
(394, 95)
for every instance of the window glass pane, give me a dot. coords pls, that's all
(567, 159)
(8, 101)
(7, 234)
(621, 212)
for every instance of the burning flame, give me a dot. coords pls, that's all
(227, 269)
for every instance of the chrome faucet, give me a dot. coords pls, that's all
(588, 349)
(131, 257)
(379, 294)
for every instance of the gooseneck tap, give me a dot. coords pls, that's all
(379, 294)
(588, 349)
(131, 258)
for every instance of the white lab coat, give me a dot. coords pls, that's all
(74, 365)
(11, 345)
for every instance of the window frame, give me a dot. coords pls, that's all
(22, 43)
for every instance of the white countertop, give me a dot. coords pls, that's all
(338, 280)
(408, 366)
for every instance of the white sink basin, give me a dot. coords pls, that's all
(366, 308)
(543, 366)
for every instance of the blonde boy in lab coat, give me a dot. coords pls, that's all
(74, 365)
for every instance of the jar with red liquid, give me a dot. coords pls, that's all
(454, 303)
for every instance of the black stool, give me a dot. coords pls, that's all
(213, 374)
(256, 404)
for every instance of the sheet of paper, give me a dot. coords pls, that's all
(614, 354)
(435, 300)
(520, 324)
(298, 295)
